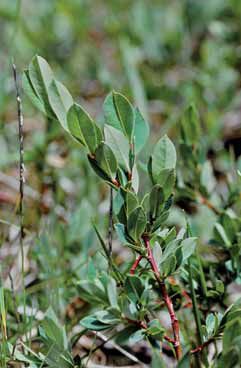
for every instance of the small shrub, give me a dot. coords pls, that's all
(167, 271)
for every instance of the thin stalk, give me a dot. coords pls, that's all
(201, 347)
(110, 229)
(201, 275)
(196, 311)
(3, 314)
(195, 306)
(209, 204)
(21, 178)
(135, 264)
(174, 320)
(166, 298)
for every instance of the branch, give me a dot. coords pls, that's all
(21, 150)
(201, 347)
(135, 264)
(21, 174)
(209, 204)
(110, 229)
(166, 298)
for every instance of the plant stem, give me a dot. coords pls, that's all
(195, 306)
(174, 320)
(21, 179)
(201, 275)
(209, 204)
(166, 298)
(135, 265)
(201, 347)
(110, 230)
(196, 314)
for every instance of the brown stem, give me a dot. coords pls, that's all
(169, 339)
(143, 325)
(199, 348)
(166, 298)
(110, 229)
(174, 320)
(140, 324)
(151, 258)
(116, 183)
(209, 204)
(135, 265)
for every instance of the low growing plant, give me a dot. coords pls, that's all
(167, 271)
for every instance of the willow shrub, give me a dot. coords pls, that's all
(167, 271)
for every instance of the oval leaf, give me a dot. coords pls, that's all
(60, 101)
(106, 160)
(82, 127)
(136, 223)
(163, 157)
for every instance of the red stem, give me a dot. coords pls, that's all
(201, 347)
(166, 298)
(143, 325)
(135, 265)
(169, 339)
(174, 320)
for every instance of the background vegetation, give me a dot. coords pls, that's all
(163, 55)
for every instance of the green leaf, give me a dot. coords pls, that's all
(137, 336)
(188, 247)
(119, 114)
(123, 335)
(121, 177)
(118, 201)
(190, 125)
(119, 145)
(157, 252)
(230, 224)
(107, 317)
(232, 331)
(166, 179)
(112, 293)
(120, 230)
(131, 202)
(110, 112)
(230, 358)
(92, 291)
(41, 76)
(157, 361)
(135, 178)
(92, 323)
(82, 127)
(134, 288)
(210, 324)
(141, 131)
(156, 199)
(125, 114)
(168, 266)
(102, 242)
(219, 286)
(29, 90)
(53, 330)
(136, 223)
(221, 236)
(163, 157)
(160, 220)
(185, 361)
(106, 160)
(98, 170)
(60, 101)
(155, 329)
(207, 178)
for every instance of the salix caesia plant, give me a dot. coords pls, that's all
(165, 262)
